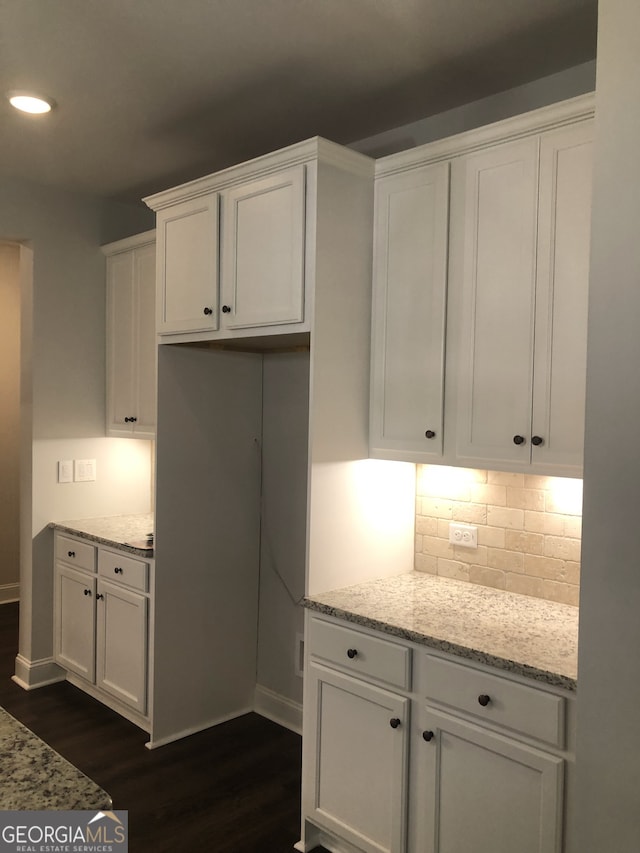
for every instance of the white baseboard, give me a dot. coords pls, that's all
(9, 592)
(31, 674)
(278, 708)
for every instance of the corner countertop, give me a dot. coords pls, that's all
(36, 778)
(115, 531)
(524, 635)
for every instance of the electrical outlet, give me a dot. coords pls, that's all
(463, 535)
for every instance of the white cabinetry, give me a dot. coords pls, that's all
(101, 623)
(359, 763)
(522, 231)
(409, 311)
(233, 248)
(409, 750)
(131, 340)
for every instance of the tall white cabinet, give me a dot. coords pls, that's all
(131, 336)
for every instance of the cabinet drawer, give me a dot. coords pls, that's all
(125, 570)
(360, 653)
(75, 553)
(496, 700)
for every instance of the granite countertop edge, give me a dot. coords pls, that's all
(106, 537)
(471, 652)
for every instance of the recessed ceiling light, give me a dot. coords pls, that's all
(30, 103)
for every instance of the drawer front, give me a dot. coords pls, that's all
(76, 553)
(114, 566)
(496, 700)
(361, 654)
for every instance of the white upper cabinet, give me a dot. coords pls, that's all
(409, 312)
(237, 250)
(188, 266)
(263, 251)
(523, 241)
(131, 339)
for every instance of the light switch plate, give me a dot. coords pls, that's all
(84, 470)
(65, 471)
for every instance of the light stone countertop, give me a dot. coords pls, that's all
(36, 778)
(114, 531)
(525, 635)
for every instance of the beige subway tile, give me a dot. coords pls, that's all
(528, 543)
(417, 548)
(573, 526)
(544, 567)
(572, 570)
(492, 536)
(512, 561)
(471, 555)
(426, 563)
(489, 494)
(537, 481)
(525, 585)
(563, 593)
(534, 521)
(487, 577)
(436, 507)
(562, 547)
(453, 569)
(443, 528)
(502, 478)
(505, 517)
(440, 488)
(529, 499)
(427, 524)
(470, 513)
(566, 504)
(436, 547)
(553, 524)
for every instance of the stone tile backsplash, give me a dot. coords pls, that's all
(529, 530)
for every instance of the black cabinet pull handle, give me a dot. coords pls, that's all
(537, 440)
(71, 553)
(208, 311)
(394, 722)
(430, 434)
(518, 439)
(117, 570)
(427, 735)
(130, 420)
(226, 309)
(484, 700)
(87, 592)
(352, 653)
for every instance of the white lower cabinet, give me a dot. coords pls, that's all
(101, 623)
(410, 751)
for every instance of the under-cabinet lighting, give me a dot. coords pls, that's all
(28, 103)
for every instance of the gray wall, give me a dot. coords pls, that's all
(608, 818)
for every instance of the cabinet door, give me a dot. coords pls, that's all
(487, 793)
(187, 258)
(359, 769)
(564, 225)
(74, 621)
(121, 644)
(145, 352)
(121, 381)
(263, 251)
(495, 370)
(410, 281)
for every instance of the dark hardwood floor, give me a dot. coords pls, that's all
(232, 788)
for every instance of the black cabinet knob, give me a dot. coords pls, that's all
(484, 700)
(518, 439)
(87, 592)
(226, 309)
(352, 653)
(537, 440)
(208, 311)
(99, 596)
(394, 722)
(430, 434)
(71, 553)
(427, 735)
(117, 570)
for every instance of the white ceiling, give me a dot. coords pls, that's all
(154, 92)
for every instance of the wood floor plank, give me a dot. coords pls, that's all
(234, 788)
